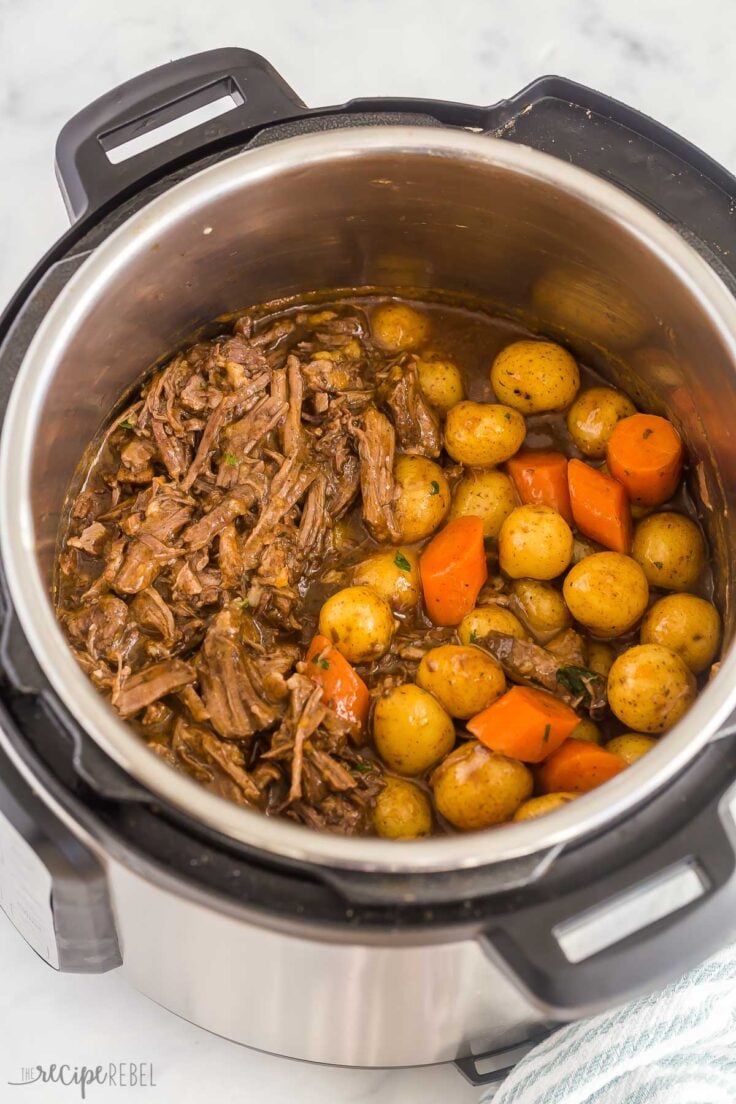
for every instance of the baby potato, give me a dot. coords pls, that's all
(631, 746)
(535, 376)
(441, 381)
(475, 788)
(359, 623)
(593, 416)
(600, 657)
(535, 542)
(670, 549)
(423, 497)
(488, 495)
(542, 608)
(689, 626)
(650, 688)
(607, 593)
(398, 328)
(481, 435)
(464, 679)
(394, 574)
(587, 730)
(486, 619)
(411, 730)
(402, 811)
(540, 806)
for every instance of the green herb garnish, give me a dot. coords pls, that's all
(647, 433)
(321, 662)
(362, 768)
(473, 636)
(577, 680)
(401, 561)
(434, 487)
(547, 730)
(125, 424)
(231, 459)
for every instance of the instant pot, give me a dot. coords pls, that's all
(558, 205)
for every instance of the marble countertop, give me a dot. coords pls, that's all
(671, 58)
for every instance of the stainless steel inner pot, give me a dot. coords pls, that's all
(425, 209)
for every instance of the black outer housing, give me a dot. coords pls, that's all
(686, 822)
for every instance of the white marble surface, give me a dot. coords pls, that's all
(671, 58)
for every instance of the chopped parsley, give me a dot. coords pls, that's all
(321, 662)
(231, 459)
(473, 636)
(647, 433)
(125, 424)
(362, 768)
(434, 487)
(401, 561)
(547, 730)
(577, 680)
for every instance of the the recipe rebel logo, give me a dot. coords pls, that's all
(121, 1075)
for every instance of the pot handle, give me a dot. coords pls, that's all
(620, 934)
(88, 168)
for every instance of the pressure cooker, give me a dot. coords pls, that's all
(344, 950)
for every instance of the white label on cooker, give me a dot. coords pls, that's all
(25, 893)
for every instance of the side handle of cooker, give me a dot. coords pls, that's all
(680, 898)
(52, 887)
(89, 172)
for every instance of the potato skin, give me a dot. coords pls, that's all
(475, 788)
(411, 730)
(593, 416)
(481, 435)
(487, 494)
(485, 619)
(587, 730)
(359, 623)
(464, 679)
(535, 376)
(423, 497)
(540, 806)
(441, 381)
(600, 657)
(689, 626)
(631, 746)
(402, 811)
(394, 574)
(535, 542)
(650, 688)
(397, 327)
(670, 549)
(608, 593)
(541, 608)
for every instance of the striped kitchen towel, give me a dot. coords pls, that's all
(677, 1046)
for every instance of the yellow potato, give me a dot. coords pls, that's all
(670, 549)
(475, 788)
(423, 497)
(630, 746)
(608, 593)
(582, 548)
(535, 376)
(441, 381)
(359, 623)
(485, 619)
(535, 542)
(600, 657)
(411, 730)
(541, 607)
(397, 328)
(593, 416)
(650, 688)
(540, 806)
(464, 679)
(402, 811)
(394, 574)
(481, 435)
(587, 730)
(488, 495)
(689, 626)
(351, 350)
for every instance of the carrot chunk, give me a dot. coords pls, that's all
(540, 479)
(524, 724)
(343, 690)
(453, 570)
(645, 454)
(578, 766)
(600, 506)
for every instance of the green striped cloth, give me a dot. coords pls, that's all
(677, 1046)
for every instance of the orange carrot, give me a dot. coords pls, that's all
(645, 454)
(342, 689)
(600, 506)
(524, 724)
(540, 479)
(453, 569)
(578, 766)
